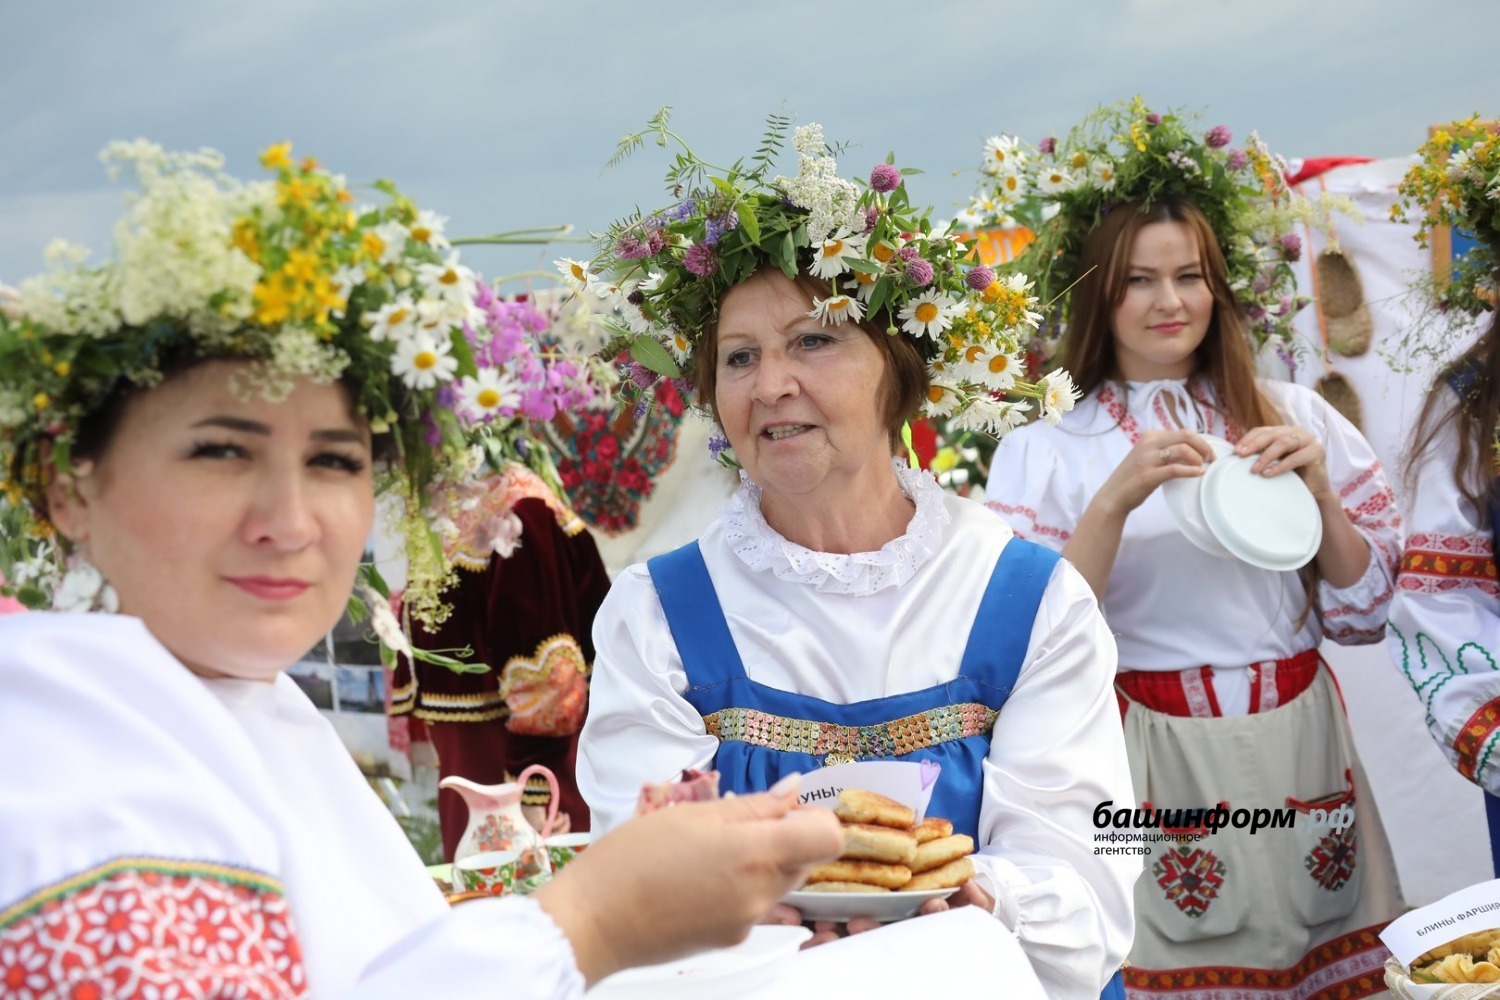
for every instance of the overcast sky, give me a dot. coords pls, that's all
(501, 115)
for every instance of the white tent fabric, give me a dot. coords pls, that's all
(1434, 817)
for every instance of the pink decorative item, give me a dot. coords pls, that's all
(496, 822)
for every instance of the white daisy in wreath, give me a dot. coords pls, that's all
(927, 315)
(831, 257)
(422, 361)
(490, 393)
(836, 309)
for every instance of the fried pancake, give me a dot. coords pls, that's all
(949, 876)
(868, 842)
(857, 805)
(932, 828)
(843, 887)
(868, 872)
(936, 853)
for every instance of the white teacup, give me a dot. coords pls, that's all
(493, 872)
(564, 847)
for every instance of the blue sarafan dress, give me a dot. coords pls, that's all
(748, 654)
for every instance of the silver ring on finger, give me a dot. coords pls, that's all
(1166, 455)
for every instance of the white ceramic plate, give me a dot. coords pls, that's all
(882, 906)
(1270, 522)
(1184, 500)
(750, 965)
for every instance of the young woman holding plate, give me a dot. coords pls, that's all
(1226, 704)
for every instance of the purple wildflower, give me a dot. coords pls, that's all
(885, 178)
(682, 210)
(717, 444)
(631, 247)
(639, 374)
(1284, 306)
(1291, 246)
(701, 260)
(919, 272)
(1153, 119)
(640, 409)
(1047, 146)
(1236, 160)
(979, 278)
(1261, 284)
(715, 228)
(1218, 136)
(872, 216)
(908, 253)
(656, 242)
(1255, 313)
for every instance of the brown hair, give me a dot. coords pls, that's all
(903, 386)
(1475, 378)
(1223, 358)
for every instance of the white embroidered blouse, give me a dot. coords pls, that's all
(1444, 631)
(163, 832)
(1171, 605)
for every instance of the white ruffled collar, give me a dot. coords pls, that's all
(761, 547)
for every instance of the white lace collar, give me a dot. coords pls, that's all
(761, 547)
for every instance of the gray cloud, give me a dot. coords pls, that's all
(501, 115)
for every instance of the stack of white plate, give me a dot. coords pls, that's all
(1267, 521)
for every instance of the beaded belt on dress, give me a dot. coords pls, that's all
(883, 739)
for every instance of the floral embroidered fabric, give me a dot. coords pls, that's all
(140, 927)
(761, 547)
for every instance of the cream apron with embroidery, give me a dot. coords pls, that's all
(1262, 901)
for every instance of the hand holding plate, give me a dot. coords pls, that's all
(1281, 448)
(1159, 456)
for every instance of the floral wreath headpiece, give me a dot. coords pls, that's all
(666, 272)
(1127, 154)
(1456, 183)
(291, 275)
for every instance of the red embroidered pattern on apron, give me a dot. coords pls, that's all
(1190, 877)
(1331, 863)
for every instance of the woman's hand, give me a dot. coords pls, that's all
(1281, 449)
(694, 876)
(537, 817)
(968, 894)
(824, 931)
(1344, 555)
(1156, 458)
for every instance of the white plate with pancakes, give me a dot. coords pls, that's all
(879, 906)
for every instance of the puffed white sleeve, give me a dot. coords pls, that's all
(639, 728)
(1057, 753)
(1356, 615)
(499, 947)
(1444, 633)
(1026, 487)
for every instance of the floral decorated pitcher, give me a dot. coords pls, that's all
(496, 822)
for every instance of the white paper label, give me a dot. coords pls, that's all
(908, 782)
(1466, 911)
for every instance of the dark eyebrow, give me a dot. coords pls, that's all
(244, 426)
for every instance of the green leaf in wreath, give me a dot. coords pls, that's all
(649, 353)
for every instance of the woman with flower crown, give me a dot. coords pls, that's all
(843, 607)
(1224, 698)
(1445, 618)
(204, 420)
